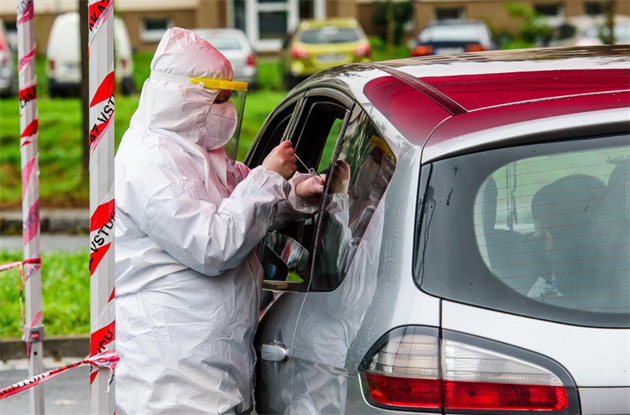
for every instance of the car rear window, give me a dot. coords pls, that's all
(225, 43)
(540, 230)
(330, 35)
(449, 33)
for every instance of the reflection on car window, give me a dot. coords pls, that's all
(330, 35)
(555, 228)
(370, 166)
(541, 230)
(224, 43)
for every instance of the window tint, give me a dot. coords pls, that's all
(330, 35)
(540, 230)
(347, 214)
(224, 42)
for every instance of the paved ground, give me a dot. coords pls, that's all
(48, 242)
(68, 393)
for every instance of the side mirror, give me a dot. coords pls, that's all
(283, 258)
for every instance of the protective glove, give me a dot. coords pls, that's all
(341, 177)
(311, 188)
(281, 160)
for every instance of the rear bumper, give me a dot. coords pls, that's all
(605, 401)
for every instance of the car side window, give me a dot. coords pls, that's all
(286, 252)
(365, 165)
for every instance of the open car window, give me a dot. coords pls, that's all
(369, 165)
(286, 253)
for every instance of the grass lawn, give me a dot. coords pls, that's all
(65, 294)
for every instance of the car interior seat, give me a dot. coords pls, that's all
(604, 248)
(563, 209)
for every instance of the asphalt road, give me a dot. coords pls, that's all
(68, 393)
(48, 243)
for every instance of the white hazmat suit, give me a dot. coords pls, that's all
(187, 220)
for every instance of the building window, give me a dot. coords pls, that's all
(593, 8)
(153, 28)
(548, 10)
(451, 13)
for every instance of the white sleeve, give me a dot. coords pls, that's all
(210, 238)
(294, 209)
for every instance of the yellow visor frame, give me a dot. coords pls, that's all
(219, 84)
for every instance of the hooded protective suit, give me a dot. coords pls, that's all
(187, 220)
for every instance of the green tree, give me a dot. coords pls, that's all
(532, 29)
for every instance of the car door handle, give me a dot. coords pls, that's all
(274, 352)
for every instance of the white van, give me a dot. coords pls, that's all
(64, 56)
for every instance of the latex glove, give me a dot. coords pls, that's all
(281, 160)
(311, 188)
(341, 177)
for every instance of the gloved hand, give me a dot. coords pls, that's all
(311, 188)
(341, 177)
(281, 160)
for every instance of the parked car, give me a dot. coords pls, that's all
(233, 44)
(444, 37)
(64, 56)
(476, 259)
(588, 30)
(319, 44)
(8, 78)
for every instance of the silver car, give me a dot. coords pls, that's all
(478, 259)
(8, 78)
(233, 44)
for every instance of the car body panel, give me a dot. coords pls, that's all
(587, 353)
(8, 78)
(331, 332)
(64, 49)
(605, 401)
(446, 37)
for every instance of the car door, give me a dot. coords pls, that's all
(313, 123)
(304, 338)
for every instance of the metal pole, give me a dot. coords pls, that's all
(33, 327)
(101, 139)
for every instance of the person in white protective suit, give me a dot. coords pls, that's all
(187, 220)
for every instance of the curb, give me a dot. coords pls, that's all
(56, 347)
(68, 221)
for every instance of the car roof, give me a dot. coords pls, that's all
(463, 94)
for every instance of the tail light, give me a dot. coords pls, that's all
(422, 50)
(251, 60)
(475, 47)
(123, 63)
(363, 50)
(51, 65)
(412, 368)
(299, 52)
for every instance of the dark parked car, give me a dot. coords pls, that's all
(478, 260)
(445, 37)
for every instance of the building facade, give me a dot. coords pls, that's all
(267, 22)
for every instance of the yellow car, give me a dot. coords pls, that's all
(321, 44)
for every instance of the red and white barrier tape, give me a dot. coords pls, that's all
(107, 360)
(33, 264)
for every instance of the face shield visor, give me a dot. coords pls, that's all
(232, 94)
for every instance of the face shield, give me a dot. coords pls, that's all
(232, 94)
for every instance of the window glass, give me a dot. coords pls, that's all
(224, 42)
(450, 33)
(541, 230)
(449, 13)
(364, 168)
(330, 34)
(285, 253)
